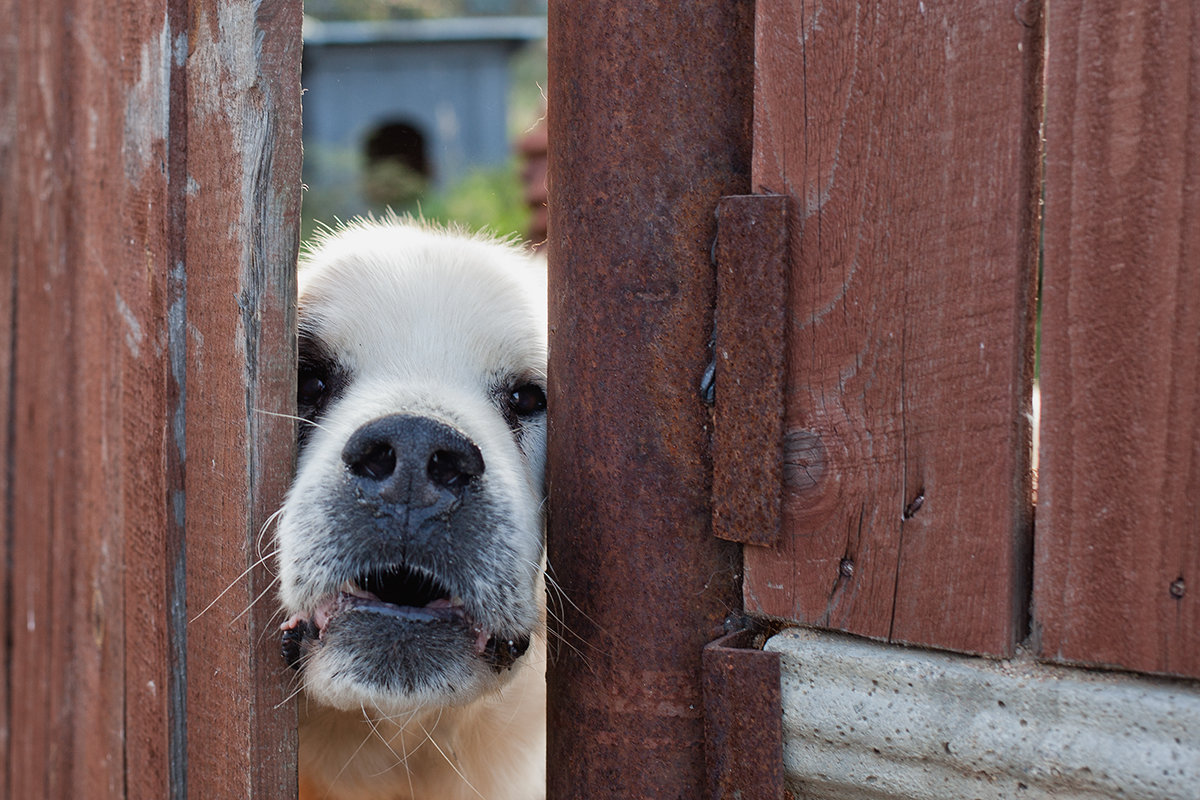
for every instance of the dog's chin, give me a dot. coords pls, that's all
(359, 652)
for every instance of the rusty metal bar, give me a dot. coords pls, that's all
(743, 719)
(649, 112)
(751, 368)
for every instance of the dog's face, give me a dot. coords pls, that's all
(410, 543)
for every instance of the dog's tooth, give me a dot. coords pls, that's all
(456, 601)
(352, 588)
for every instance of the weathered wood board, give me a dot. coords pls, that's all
(907, 138)
(149, 197)
(1117, 575)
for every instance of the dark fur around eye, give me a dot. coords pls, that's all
(319, 381)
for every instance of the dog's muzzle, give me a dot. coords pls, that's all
(418, 469)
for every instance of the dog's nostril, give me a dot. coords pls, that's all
(452, 470)
(409, 459)
(376, 462)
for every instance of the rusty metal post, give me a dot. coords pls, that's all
(650, 114)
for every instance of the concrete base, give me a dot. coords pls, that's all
(865, 721)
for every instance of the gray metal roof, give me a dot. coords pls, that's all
(465, 29)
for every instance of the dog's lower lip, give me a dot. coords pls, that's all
(499, 651)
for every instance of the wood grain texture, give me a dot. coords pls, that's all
(907, 140)
(242, 206)
(10, 193)
(86, 386)
(1117, 575)
(100, 157)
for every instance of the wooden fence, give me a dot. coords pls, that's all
(149, 190)
(149, 194)
(909, 143)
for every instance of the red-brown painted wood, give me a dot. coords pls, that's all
(9, 222)
(129, 145)
(1117, 576)
(242, 205)
(907, 138)
(83, 376)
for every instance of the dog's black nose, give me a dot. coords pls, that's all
(413, 460)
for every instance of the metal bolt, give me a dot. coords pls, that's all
(846, 568)
(1177, 588)
(912, 508)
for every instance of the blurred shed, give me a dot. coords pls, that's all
(430, 94)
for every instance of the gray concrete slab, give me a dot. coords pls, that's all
(866, 721)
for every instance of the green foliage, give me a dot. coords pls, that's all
(491, 199)
(485, 199)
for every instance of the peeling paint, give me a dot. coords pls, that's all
(134, 335)
(147, 106)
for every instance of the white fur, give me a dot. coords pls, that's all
(427, 322)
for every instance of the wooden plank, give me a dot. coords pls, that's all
(1117, 576)
(907, 140)
(84, 376)
(241, 239)
(111, 203)
(154, 724)
(9, 223)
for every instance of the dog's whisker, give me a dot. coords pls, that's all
(401, 760)
(552, 581)
(232, 584)
(453, 766)
(255, 601)
(357, 750)
(269, 626)
(262, 533)
(294, 417)
(374, 725)
(407, 771)
(290, 697)
(559, 595)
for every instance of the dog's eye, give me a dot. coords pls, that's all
(527, 399)
(311, 388)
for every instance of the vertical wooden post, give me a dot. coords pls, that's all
(9, 222)
(241, 237)
(649, 124)
(1118, 545)
(149, 197)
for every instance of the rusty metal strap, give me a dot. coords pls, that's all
(751, 367)
(743, 720)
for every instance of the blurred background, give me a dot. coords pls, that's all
(426, 106)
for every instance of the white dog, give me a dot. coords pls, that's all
(411, 541)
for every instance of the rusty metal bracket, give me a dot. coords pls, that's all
(743, 719)
(750, 354)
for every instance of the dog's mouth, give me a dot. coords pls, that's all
(404, 594)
